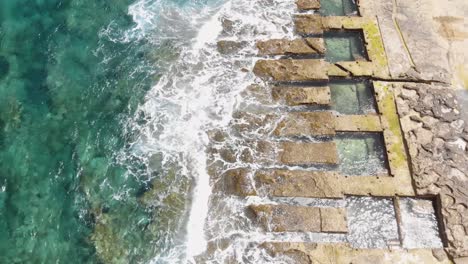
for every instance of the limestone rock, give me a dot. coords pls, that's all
(288, 218)
(292, 70)
(308, 4)
(294, 95)
(306, 123)
(292, 153)
(308, 24)
(296, 46)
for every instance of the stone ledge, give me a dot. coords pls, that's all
(299, 153)
(306, 253)
(284, 70)
(293, 95)
(305, 5)
(317, 123)
(288, 218)
(393, 137)
(306, 123)
(292, 70)
(312, 184)
(361, 123)
(307, 46)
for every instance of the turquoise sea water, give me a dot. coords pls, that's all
(72, 73)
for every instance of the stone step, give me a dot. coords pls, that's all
(293, 95)
(287, 70)
(289, 218)
(361, 123)
(268, 153)
(299, 153)
(292, 124)
(306, 46)
(312, 184)
(309, 24)
(292, 70)
(305, 5)
(305, 124)
(305, 253)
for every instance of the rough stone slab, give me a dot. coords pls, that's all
(317, 44)
(363, 123)
(326, 184)
(356, 68)
(293, 153)
(306, 46)
(382, 186)
(289, 218)
(308, 24)
(305, 124)
(284, 125)
(287, 183)
(292, 70)
(334, 220)
(286, 218)
(306, 253)
(237, 182)
(308, 4)
(293, 95)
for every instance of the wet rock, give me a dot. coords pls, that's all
(238, 182)
(283, 218)
(292, 70)
(287, 183)
(306, 124)
(308, 24)
(288, 218)
(230, 47)
(302, 95)
(306, 253)
(308, 153)
(308, 4)
(228, 26)
(295, 46)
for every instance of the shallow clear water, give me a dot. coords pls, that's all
(338, 8)
(345, 46)
(73, 189)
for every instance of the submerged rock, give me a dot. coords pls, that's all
(229, 47)
(4, 67)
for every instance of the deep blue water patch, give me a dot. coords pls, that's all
(64, 93)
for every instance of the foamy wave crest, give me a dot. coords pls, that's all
(198, 93)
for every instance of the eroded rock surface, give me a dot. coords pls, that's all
(305, 46)
(308, 4)
(437, 134)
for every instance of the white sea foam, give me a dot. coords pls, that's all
(200, 91)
